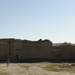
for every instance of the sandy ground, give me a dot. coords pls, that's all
(29, 69)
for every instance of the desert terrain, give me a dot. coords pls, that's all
(40, 68)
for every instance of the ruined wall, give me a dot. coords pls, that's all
(4, 49)
(16, 46)
(64, 52)
(16, 49)
(34, 49)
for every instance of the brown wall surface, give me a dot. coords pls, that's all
(15, 49)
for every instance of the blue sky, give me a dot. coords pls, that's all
(38, 19)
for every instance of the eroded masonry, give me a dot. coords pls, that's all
(15, 49)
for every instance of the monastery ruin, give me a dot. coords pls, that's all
(16, 49)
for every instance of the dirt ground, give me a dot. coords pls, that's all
(41, 68)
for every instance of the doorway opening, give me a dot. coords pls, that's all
(17, 57)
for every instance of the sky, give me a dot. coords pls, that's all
(38, 19)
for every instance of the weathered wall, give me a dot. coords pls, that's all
(16, 49)
(15, 46)
(64, 52)
(4, 49)
(34, 49)
(22, 49)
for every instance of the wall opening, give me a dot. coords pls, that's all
(17, 57)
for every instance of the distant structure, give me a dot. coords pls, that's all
(16, 49)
